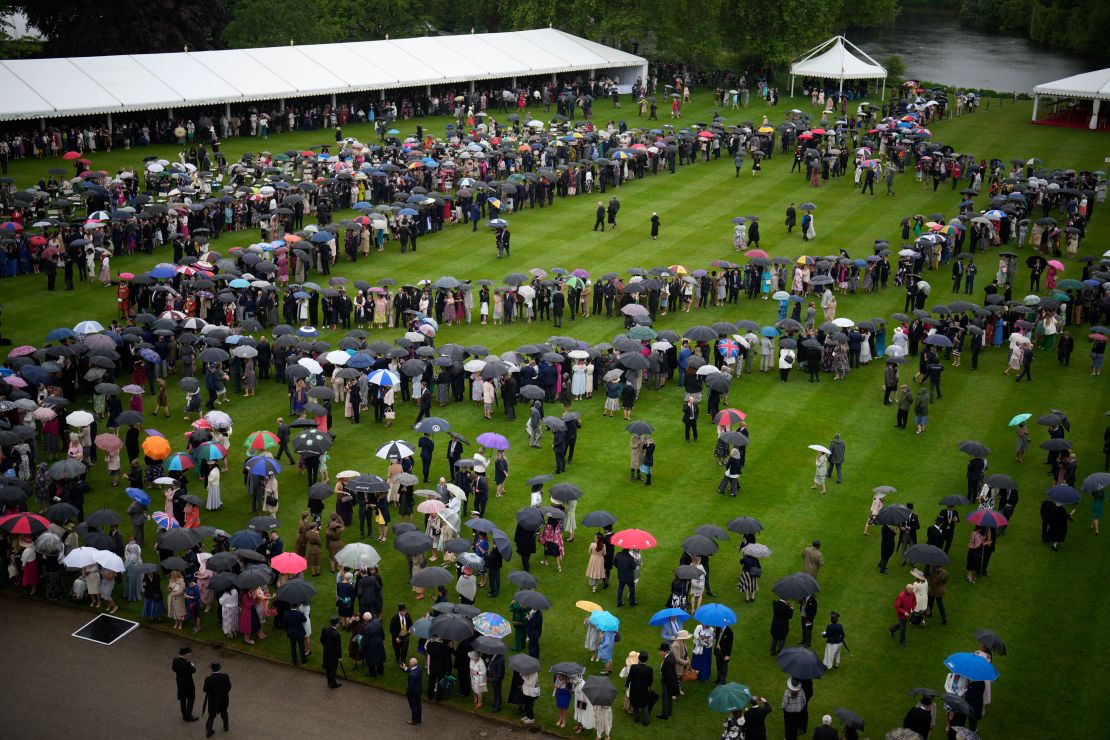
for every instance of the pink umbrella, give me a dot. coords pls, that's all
(1057, 264)
(15, 381)
(108, 442)
(133, 389)
(289, 563)
(22, 351)
(431, 506)
(44, 414)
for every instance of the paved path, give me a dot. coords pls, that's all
(56, 682)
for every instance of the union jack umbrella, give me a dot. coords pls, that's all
(728, 347)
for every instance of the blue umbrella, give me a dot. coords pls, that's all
(384, 378)
(967, 203)
(363, 206)
(300, 294)
(360, 361)
(663, 616)
(497, 223)
(422, 628)
(971, 666)
(59, 334)
(162, 273)
(245, 539)
(393, 131)
(307, 331)
(1063, 494)
(34, 375)
(262, 465)
(137, 496)
(408, 212)
(715, 615)
(322, 236)
(604, 621)
(239, 283)
(769, 331)
(1019, 419)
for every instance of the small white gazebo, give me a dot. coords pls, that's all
(1093, 86)
(837, 59)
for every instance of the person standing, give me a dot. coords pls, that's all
(904, 605)
(427, 447)
(808, 608)
(791, 217)
(495, 677)
(812, 559)
(332, 643)
(690, 417)
(599, 219)
(414, 679)
(638, 684)
(294, 622)
(626, 577)
(834, 640)
(184, 669)
(668, 679)
(400, 628)
(654, 225)
(905, 403)
(781, 614)
(722, 652)
(283, 433)
(793, 709)
(836, 456)
(217, 698)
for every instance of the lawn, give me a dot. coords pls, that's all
(1044, 604)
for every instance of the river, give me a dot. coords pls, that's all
(936, 47)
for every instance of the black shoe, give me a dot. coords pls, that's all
(335, 685)
(190, 719)
(660, 716)
(209, 733)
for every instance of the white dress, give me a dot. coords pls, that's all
(578, 380)
(583, 709)
(213, 481)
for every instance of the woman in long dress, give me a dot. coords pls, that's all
(595, 566)
(702, 660)
(229, 612)
(133, 556)
(176, 607)
(213, 482)
(578, 380)
(477, 678)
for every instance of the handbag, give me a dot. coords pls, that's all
(271, 500)
(689, 675)
(379, 519)
(755, 571)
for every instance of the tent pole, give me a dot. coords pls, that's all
(169, 113)
(1036, 102)
(333, 100)
(109, 122)
(791, 85)
(227, 110)
(884, 89)
(1094, 113)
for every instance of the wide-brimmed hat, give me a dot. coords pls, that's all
(682, 635)
(917, 574)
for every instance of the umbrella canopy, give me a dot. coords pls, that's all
(990, 640)
(490, 624)
(295, 591)
(729, 697)
(599, 690)
(927, 555)
(971, 666)
(524, 664)
(633, 539)
(531, 599)
(796, 586)
(800, 663)
(289, 563)
(715, 615)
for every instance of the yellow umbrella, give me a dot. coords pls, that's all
(765, 130)
(588, 606)
(802, 260)
(677, 269)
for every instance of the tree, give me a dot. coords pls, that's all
(72, 28)
(895, 68)
(12, 46)
(257, 23)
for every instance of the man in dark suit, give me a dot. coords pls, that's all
(412, 692)
(332, 643)
(599, 219)
(690, 417)
(495, 676)
(640, 678)
(722, 651)
(920, 717)
(668, 678)
(533, 629)
(294, 623)
(217, 698)
(975, 469)
(626, 577)
(184, 669)
(283, 433)
(427, 446)
(454, 454)
(558, 302)
(781, 615)
(400, 627)
(935, 534)
(951, 519)
(425, 402)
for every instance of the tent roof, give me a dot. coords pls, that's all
(1095, 85)
(48, 88)
(835, 60)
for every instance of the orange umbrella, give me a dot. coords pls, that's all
(156, 448)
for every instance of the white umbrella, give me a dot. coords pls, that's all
(455, 490)
(781, 295)
(474, 366)
(451, 517)
(311, 365)
(165, 480)
(526, 291)
(398, 448)
(358, 555)
(109, 560)
(245, 351)
(844, 322)
(79, 557)
(661, 346)
(821, 448)
(742, 341)
(218, 419)
(88, 327)
(414, 336)
(337, 357)
(707, 370)
(578, 354)
(80, 418)
(756, 550)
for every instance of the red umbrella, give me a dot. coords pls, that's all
(71, 155)
(756, 253)
(987, 518)
(633, 539)
(289, 563)
(25, 524)
(729, 417)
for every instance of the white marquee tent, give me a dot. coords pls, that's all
(1093, 86)
(73, 86)
(837, 59)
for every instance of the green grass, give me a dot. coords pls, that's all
(1046, 605)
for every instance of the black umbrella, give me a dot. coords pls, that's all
(455, 627)
(296, 591)
(103, 518)
(568, 668)
(600, 691)
(849, 718)
(530, 519)
(1055, 444)
(711, 531)
(524, 664)
(531, 599)
(565, 492)
(927, 555)
(924, 692)
(744, 525)
(800, 663)
(955, 499)
(796, 587)
(221, 561)
(413, 543)
(894, 515)
(99, 541)
(255, 578)
(61, 512)
(178, 538)
(489, 645)
(253, 556)
(533, 393)
(312, 442)
(1001, 480)
(973, 448)
(639, 427)
(523, 579)
(957, 703)
(539, 480)
(432, 425)
(432, 578)
(175, 564)
(688, 572)
(262, 523)
(598, 519)
(699, 545)
(320, 491)
(991, 641)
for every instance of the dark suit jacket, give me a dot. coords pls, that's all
(332, 643)
(415, 680)
(640, 678)
(780, 619)
(294, 621)
(495, 670)
(668, 674)
(217, 688)
(625, 565)
(724, 642)
(825, 732)
(184, 670)
(395, 625)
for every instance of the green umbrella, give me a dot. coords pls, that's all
(642, 333)
(730, 697)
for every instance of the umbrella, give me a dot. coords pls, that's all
(1095, 482)
(432, 577)
(432, 425)
(1064, 494)
(800, 663)
(744, 525)
(253, 578)
(927, 555)
(894, 515)
(175, 563)
(599, 690)
(757, 550)
(489, 645)
(523, 579)
(605, 621)
(262, 523)
(715, 615)
(453, 627)
(530, 599)
(990, 640)
(987, 518)
(524, 664)
(821, 448)
(971, 666)
(663, 616)
(1000, 480)
(80, 419)
(729, 697)
(296, 591)
(24, 524)
(66, 469)
(796, 586)
(103, 518)
(490, 624)
(80, 557)
(699, 545)
(178, 538)
(598, 519)
(973, 448)
(633, 539)
(849, 718)
(289, 563)
(568, 668)
(639, 427)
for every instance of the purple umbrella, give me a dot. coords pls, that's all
(493, 441)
